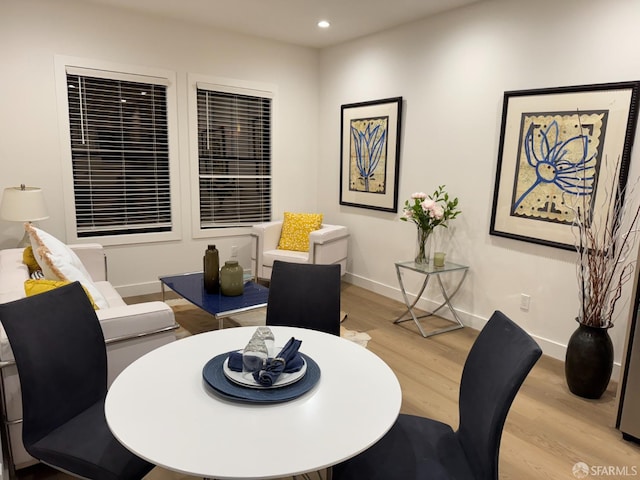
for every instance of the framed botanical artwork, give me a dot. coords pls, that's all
(370, 154)
(559, 147)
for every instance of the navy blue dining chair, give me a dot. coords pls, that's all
(423, 448)
(60, 354)
(305, 295)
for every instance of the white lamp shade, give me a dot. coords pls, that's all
(23, 204)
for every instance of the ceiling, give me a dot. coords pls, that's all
(294, 21)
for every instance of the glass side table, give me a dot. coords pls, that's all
(428, 271)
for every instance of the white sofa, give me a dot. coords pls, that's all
(130, 331)
(328, 245)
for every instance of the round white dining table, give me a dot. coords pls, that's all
(160, 408)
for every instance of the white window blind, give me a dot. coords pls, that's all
(234, 158)
(120, 154)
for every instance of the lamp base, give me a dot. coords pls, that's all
(25, 242)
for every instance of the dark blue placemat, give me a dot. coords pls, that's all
(214, 377)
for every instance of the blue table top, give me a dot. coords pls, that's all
(191, 287)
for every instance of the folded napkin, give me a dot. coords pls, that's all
(273, 367)
(293, 365)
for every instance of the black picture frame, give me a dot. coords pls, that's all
(370, 154)
(557, 145)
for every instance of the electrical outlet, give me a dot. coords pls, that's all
(525, 300)
(234, 251)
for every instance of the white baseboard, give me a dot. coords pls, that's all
(550, 348)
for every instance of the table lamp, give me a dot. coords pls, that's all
(23, 204)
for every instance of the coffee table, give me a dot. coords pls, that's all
(190, 286)
(160, 408)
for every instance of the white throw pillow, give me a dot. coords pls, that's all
(59, 262)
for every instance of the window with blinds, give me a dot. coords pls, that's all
(234, 158)
(120, 154)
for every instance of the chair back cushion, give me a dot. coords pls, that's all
(497, 365)
(296, 228)
(60, 355)
(305, 295)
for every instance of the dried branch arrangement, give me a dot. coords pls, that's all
(605, 244)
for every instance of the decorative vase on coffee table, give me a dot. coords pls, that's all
(589, 361)
(231, 280)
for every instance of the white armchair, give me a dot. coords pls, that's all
(328, 245)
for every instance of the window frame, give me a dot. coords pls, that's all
(134, 73)
(229, 86)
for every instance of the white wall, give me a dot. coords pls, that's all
(33, 32)
(452, 71)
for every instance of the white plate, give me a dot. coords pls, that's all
(246, 378)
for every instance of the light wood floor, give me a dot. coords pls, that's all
(548, 429)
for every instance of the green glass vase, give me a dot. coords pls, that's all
(231, 283)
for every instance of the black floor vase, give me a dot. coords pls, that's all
(589, 361)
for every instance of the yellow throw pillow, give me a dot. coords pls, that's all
(34, 287)
(30, 260)
(296, 228)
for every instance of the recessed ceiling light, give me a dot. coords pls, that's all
(324, 24)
